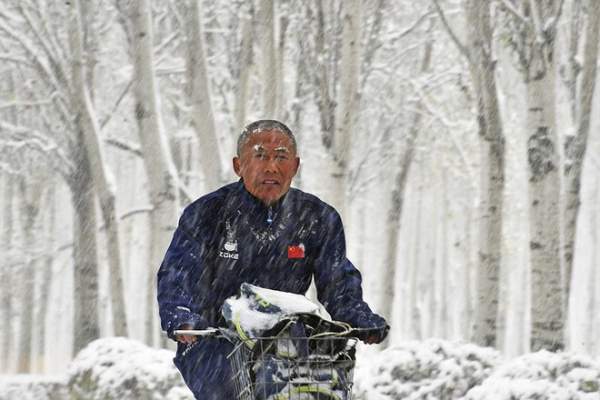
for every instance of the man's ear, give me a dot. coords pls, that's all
(297, 166)
(236, 166)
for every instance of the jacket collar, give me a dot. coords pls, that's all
(250, 204)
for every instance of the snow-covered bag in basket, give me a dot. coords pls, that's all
(257, 310)
(283, 336)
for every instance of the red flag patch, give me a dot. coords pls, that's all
(295, 252)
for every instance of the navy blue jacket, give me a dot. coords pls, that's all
(229, 237)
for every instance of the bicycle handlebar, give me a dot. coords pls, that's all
(214, 332)
(197, 332)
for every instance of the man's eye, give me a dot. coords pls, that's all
(260, 156)
(281, 157)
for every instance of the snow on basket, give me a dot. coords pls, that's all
(542, 376)
(432, 369)
(120, 368)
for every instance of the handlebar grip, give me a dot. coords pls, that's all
(197, 332)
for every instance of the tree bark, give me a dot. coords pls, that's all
(162, 179)
(469, 307)
(416, 318)
(46, 274)
(576, 146)
(444, 259)
(203, 118)
(595, 259)
(102, 179)
(30, 205)
(544, 194)
(281, 112)
(591, 320)
(268, 64)
(8, 271)
(85, 254)
(347, 109)
(325, 100)
(241, 99)
(482, 67)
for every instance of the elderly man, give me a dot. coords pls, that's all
(261, 231)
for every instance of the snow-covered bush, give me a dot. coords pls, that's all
(32, 387)
(432, 369)
(542, 376)
(119, 368)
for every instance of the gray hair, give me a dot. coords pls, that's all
(263, 125)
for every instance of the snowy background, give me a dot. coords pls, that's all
(459, 139)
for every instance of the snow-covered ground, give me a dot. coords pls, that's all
(33, 387)
(432, 369)
(542, 376)
(118, 368)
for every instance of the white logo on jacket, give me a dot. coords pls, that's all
(230, 247)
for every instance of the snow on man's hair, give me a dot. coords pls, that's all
(263, 125)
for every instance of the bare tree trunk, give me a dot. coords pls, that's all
(46, 273)
(492, 173)
(415, 314)
(159, 165)
(347, 109)
(203, 117)
(85, 254)
(469, 307)
(444, 259)
(533, 39)
(595, 259)
(268, 63)
(241, 99)
(9, 270)
(575, 146)
(325, 100)
(281, 111)
(544, 194)
(436, 282)
(103, 180)
(397, 203)
(30, 206)
(591, 319)
(6, 279)
(428, 283)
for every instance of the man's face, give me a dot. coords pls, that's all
(267, 164)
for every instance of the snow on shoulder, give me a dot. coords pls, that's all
(120, 368)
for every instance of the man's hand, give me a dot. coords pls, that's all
(374, 335)
(185, 339)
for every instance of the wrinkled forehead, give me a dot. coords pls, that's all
(272, 140)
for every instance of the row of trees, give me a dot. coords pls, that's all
(530, 30)
(370, 86)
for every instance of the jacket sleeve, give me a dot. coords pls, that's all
(338, 282)
(180, 268)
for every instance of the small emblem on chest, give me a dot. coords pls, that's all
(230, 248)
(296, 251)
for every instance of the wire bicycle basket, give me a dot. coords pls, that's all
(293, 367)
(283, 349)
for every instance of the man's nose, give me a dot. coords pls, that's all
(271, 165)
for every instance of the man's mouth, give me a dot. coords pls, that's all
(270, 182)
